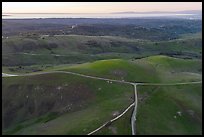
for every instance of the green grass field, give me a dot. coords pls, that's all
(151, 69)
(159, 107)
(60, 103)
(81, 49)
(67, 104)
(120, 127)
(132, 50)
(41, 104)
(172, 70)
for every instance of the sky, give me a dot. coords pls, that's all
(96, 7)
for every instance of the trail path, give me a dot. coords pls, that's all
(112, 120)
(133, 118)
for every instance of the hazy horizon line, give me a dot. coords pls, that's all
(100, 13)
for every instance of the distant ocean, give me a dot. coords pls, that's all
(74, 15)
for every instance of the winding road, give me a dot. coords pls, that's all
(67, 72)
(112, 120)
(133, 118)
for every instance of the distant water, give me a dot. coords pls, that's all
(129, 15)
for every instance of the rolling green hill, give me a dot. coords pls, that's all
(43, 101)
(150, 69)
(68, 49)
(159, 108)
(120, 127)
(60, 103)
(49, 102)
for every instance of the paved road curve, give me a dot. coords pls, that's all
(133, 119)
(67, 72)
(112, 120)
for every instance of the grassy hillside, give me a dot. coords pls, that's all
(44, 100)
(173, 70)
(120, 127)
(176, 64)
(159, 108)
(38, 50)
(60, 103)
(134, 50)
(150, 69)
(116, 69)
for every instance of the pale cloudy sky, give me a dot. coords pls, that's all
(96, 7)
